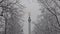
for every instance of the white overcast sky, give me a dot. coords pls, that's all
(33, 7)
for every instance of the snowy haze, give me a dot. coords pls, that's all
(33, 7)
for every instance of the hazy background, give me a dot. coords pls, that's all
(33, 7)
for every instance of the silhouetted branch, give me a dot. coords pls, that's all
(38, 28)
(1, 1)
(56, 28)
(16, 1)
(51, 10)
(56, 3)
(54, 15)
(9, 7)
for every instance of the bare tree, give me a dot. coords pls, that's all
(12, 16)
(51, 17)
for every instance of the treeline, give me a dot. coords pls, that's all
(11, 13)
(50, 24)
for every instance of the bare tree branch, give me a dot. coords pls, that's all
(51, 10)
(13, 19)
(1, 1)
(56, 3)
(54, 15)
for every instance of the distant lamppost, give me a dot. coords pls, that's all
(29, 22)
